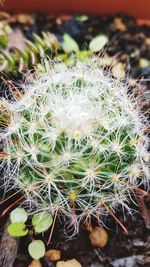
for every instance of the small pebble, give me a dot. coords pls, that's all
(35, 263)
(53, 254)
(139, 243)
(98, 237)
(69, 263)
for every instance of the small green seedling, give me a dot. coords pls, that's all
(42, 222)
(18, 215)
(36, 249)
(17, 228)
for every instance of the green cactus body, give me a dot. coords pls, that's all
(74, 139)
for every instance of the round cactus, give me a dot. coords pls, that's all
(73, 141)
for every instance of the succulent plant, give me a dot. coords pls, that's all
(41, 49)
(73, 141)
(19, 59)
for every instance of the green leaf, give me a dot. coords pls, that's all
(17, 229)
(82, 18)
(22, 53)
(31, 47)
(38, 39)
(42, 221)
(69, 44)
(18, 215)
(98, 43)
(36, 249)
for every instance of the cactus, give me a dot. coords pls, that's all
(73, 141)
(43, 47)
(21, 60)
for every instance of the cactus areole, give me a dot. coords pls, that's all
(73, 141)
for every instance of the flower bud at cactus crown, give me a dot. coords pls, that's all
(73, 141)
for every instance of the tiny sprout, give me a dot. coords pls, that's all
(41, 222)
(18, 215)
(17, 229)
(36, 249)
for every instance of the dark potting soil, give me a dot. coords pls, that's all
(129, 41)
(121, 250)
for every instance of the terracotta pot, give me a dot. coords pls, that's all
(137, 8)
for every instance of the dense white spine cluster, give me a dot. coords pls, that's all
(74, 141)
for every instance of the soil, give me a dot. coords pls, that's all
(129, 42)
(121, 250)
